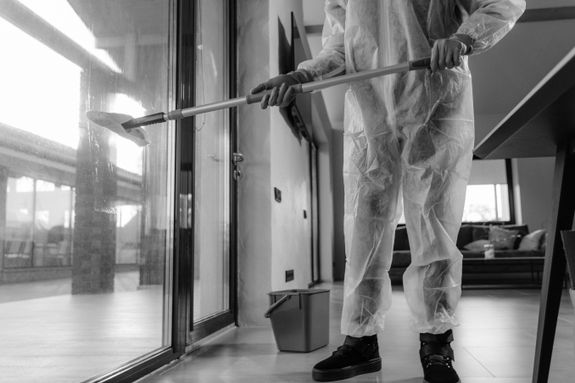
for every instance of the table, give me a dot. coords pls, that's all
(543, 125)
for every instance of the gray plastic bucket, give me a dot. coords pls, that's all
(300, 319)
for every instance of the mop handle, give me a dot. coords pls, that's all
(309, 87)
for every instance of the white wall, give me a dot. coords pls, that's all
(291, 232)
(290, 172)
(273, 237)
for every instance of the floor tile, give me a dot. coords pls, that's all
(494, 344)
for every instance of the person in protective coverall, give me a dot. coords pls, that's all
(407, 138)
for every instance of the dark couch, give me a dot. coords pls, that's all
(510, 266)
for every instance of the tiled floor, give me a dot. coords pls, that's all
(494, 344)
(49, 336)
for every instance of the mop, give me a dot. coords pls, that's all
(130, 128)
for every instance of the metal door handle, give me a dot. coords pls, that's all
(237, 158)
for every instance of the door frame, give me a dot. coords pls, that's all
(315, 217)
(187, 72)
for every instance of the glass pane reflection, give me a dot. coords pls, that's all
(85, 216)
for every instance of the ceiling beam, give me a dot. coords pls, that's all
(30, 23)
(548, 14)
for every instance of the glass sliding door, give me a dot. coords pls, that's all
(212, 163)
(86, 217)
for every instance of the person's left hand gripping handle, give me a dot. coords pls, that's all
(282, 94)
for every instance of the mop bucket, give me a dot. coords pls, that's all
(300, 319)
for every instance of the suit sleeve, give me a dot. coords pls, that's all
(489, 21)
(330, 61)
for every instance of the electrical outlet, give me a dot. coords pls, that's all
(289, 275)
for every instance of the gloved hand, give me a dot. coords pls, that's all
(282, 94)
(447, 53)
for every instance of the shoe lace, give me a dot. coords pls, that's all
(436, 354)
(438, 360)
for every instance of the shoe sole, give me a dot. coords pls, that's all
(372, 365)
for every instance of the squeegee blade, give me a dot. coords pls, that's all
(115, 121)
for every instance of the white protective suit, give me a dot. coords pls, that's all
(408, 135)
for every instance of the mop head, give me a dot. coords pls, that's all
(115, 121)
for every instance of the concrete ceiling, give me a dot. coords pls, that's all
(113, 18)
(502, 76)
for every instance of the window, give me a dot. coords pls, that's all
(488, 193)
(86, 217)
(38, 223)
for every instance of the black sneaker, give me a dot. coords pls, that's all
(355, 357)
(437, 357)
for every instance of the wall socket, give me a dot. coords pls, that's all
(289, 275)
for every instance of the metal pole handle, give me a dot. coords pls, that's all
(363, 75)
(309, 87)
